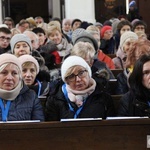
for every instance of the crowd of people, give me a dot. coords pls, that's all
(68, 62)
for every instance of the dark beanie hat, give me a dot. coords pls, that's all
(86, 37)
(75, 20)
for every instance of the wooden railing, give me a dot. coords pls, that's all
(81, 135)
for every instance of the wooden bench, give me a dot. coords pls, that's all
(79, 135)
(116, 100)
(116, 72)
(112, 86)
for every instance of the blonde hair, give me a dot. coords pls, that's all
(2, 67)
(15, 31)
(52, 29)
(84, 50)
(139, 48)
(93, 30)
(27, 64)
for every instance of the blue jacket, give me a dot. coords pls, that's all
(26, 106)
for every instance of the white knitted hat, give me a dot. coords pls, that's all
(19, 38)
(29, 58)
(126, 35)
(10, 58)
(73, 61)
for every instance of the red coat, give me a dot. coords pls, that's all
(104, 58)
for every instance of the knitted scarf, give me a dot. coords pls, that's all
(78, 97)
(12, 94)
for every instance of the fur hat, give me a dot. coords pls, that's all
(126, 35)
(104, 29)
(19, 38)
(86, 37)
(73, 61)
(10, 58)
(29, 58)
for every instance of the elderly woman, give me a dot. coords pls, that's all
(17, 101)
(38, 81)
(79, 96)
(137, 101)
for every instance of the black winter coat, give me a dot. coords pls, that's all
(97, 105)
(130, 106)
(122, 83)
(25, 107)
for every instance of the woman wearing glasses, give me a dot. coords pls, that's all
(78, 96)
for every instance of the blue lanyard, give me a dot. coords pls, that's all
(70, 107)
(40, 86)
(4, 109)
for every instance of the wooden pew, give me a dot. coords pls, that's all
(116, 72)
(116, 100)
(112, 86)
(81, 135)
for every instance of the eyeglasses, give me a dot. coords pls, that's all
(81, 74)
(3, 38)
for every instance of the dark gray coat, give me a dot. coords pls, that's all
(25, 107)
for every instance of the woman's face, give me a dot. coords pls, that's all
(42, 38)
(9, 77)
(76, 25)
(67, 26)
(29, 74)
(21, 48)
(108, 35)
(124, 29)
(128, 44)
(56, 37)
(146, 75)
(81, 79)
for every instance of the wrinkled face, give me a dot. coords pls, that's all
(56, 37)
(78, 79)
(124, 29)
(29, 74)
(67, 26)
(42, 38)
(146, 75)
(128, 44)
(108, 35)
(76, 25)
(9, 77)
(4, 39)
(21, 48)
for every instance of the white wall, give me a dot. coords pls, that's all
(56, 8)
(81, 9)
(1, 12)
